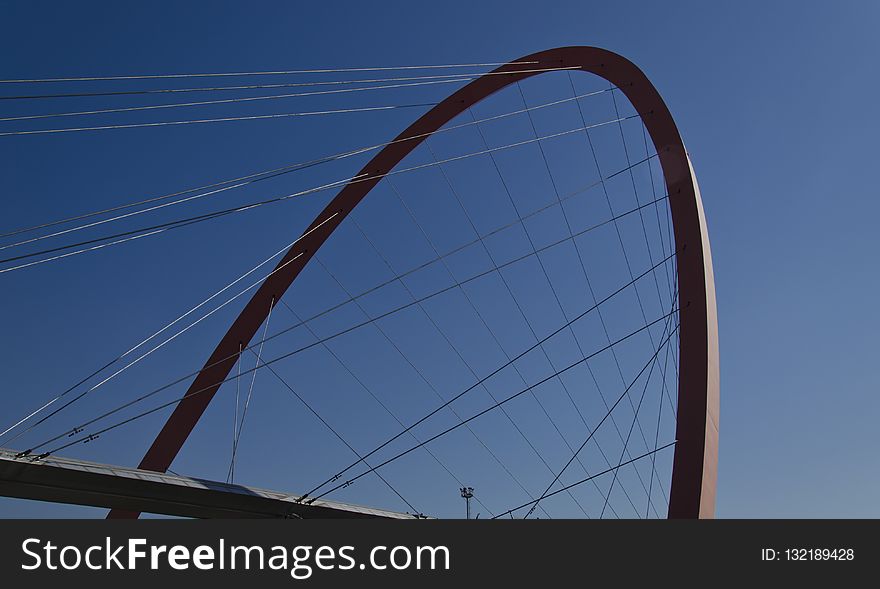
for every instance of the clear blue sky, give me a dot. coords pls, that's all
(775, 103)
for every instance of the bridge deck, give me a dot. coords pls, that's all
(65, 480)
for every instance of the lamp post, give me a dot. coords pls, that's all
(467, 493)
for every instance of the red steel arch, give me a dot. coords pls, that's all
(692, 494)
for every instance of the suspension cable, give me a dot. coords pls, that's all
(253, 205)
(230, 477)
(256, 177)
(150, 107)
(338, 435)
(476, 415)
(651, 362)
(79, 429)
(163, 329)
(387, 107)
(507, 363)
(292, 327)
(259, 73)
(462, 76)
(370, 392)
(580, 261)
(491, 258)
(590, 478)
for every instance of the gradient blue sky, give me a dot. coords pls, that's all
(776, 105)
